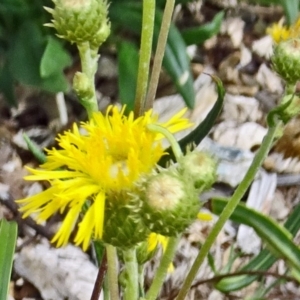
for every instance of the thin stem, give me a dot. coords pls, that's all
(141, 280)
(162, 270)
(169, 136)
(131, 291)
(106, 289)
(229, 208)
(145, 56)
(290, 89)
(112, 271)
(100, 278)
(89, 59)
(160, 51)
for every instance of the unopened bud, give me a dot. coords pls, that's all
(81, 21)
(286, 60)
(171, 203)
(200, 168)
(82, 86)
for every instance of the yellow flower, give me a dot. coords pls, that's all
(280, 32)
(154, 240)
(108, 154)
(204, 216)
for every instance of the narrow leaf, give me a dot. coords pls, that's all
(128, 59)
(176, 61)
(291, 10)
(197, 135)
(34, 149)
(277, 238)
(198, 35)
(262, 262)
(8, 236)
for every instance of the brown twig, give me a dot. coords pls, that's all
(100, 278)
(217, 278)
(13, 207)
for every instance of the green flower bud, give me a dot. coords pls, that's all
(147, 249)
(82, 86)
(81, 21)
(286, 60)
(123, 226)
(171, 203)
(200, 168)
(142, 253)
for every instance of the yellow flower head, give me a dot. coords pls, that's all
(108, 154)
(280, 32)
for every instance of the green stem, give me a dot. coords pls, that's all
(145, 56)
(162, 270)
(112, 271)
(131, 291)
(290, 89)
(106, 289)
(141, 280)
(228, 210)
(89, 59)
(169, 136)
(160, 51)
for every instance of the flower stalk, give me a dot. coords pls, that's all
(159, 53)
(162, 270)
(170, 137)
(89, 63)
(86, 24)
(145, 56)
(131, 291)
(112, 271)
(230, 207)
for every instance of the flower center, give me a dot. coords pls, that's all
(119, 166)
(165, 193)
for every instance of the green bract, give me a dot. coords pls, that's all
(286, 60)
(81, 21)
(123, 225)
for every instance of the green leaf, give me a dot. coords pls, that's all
(34, 149)
(291, 10)
(8, 237)
(128, 16)
(263, 261)
(201, 131)
(26, 56)
(128, 60)
(176, 62)
(198, 35)
(278, 240)
(54, 58)
(7, 85)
